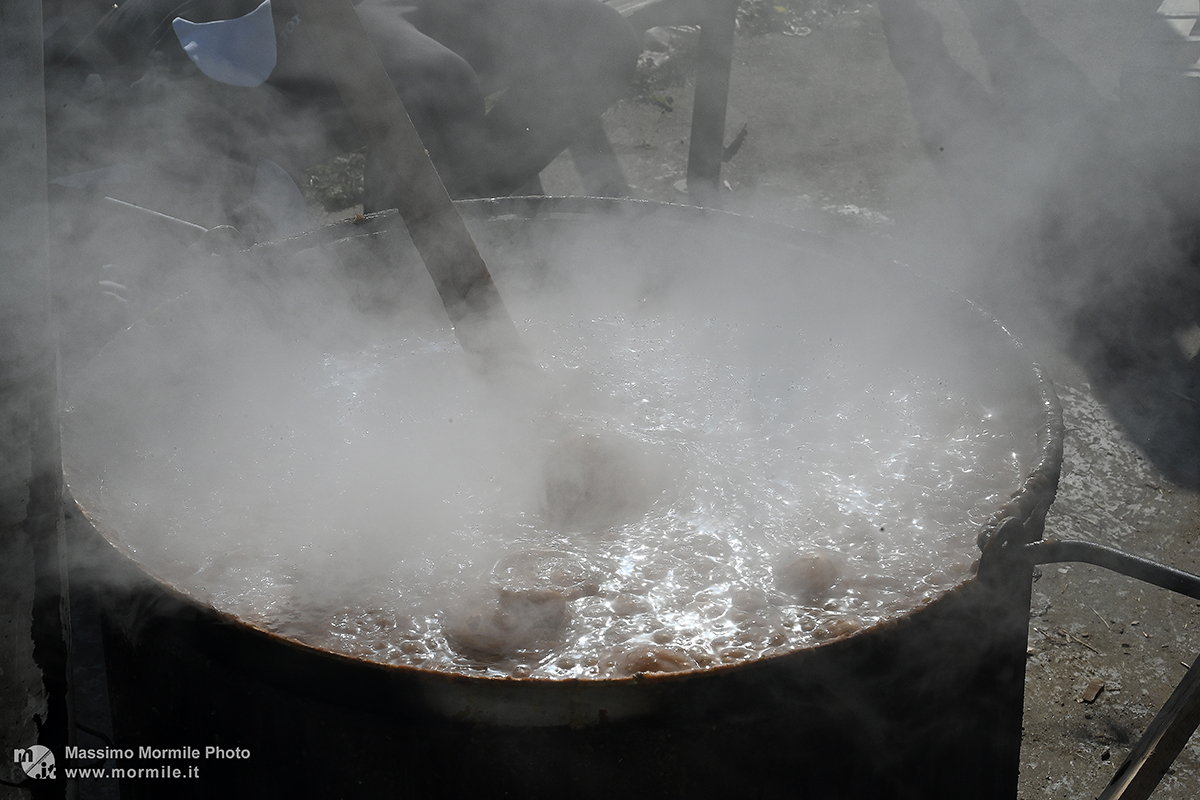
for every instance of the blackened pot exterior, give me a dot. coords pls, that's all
(927, 707)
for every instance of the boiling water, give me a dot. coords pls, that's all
(678, 497)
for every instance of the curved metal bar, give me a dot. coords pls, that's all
(1143, 569)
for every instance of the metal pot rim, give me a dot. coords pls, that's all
(1028, 503)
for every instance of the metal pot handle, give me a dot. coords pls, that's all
(1179, 717)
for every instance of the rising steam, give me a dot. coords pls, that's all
(723, 475)
(1077, 205)
(758, 439)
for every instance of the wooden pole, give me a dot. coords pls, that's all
(1161, 744)
(34, 618)
(714, 61)
(481, 321)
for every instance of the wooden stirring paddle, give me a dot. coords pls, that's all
(481, 321)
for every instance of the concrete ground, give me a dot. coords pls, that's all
(832, 146)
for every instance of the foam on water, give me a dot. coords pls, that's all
(388, 505)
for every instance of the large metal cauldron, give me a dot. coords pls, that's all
(926, 705)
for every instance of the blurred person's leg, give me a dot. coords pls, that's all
(961, 125)
(439, 89)
(299, 108)
(554, 67)
(1035, 80)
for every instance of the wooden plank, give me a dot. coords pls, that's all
(1167, 735)
(627, 7)
(1178, 8)
(646, 14)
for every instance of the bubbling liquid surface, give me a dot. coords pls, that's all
(687, 505)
